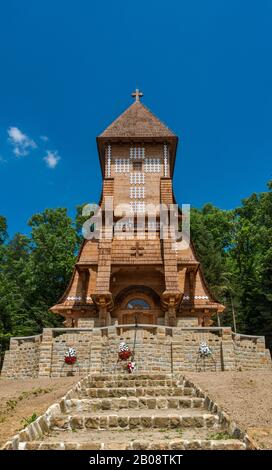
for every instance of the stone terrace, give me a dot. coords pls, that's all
(158, 348)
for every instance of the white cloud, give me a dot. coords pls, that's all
(52, 158)
(20, 142)
(44, 138)
(2, 160)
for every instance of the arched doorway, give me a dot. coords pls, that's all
(137, 304)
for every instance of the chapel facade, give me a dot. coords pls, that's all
(131, 276)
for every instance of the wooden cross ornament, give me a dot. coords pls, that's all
(137, 250)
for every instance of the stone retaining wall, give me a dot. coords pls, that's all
(22, 359)
(152, 351)
(247, 350)
(158, 349)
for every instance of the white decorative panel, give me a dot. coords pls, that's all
(137, 192)
(108, 172)
(200, 297)
(138, 207)
(137, 153)
(122, 165)
(165, 158)
(152, 165)
(137, 178)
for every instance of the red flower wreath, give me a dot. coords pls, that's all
(124, 351)
(70, 356)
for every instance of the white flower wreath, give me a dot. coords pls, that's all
(204, 349)
(71, 352)
(123, 347)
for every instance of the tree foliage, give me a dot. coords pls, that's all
(235, 249)
(34, 271)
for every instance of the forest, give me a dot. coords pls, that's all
(234, 247)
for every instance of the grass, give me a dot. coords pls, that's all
(36, 392)
(167, 436)
(10, 404)
(223, 435)
(13, 402)
(26, 421)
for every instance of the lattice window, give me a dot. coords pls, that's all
(122, 165)
(152, 165)
(137, 178)
(137, 192)
(137, 153)
(138, 207)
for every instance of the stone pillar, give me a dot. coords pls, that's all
(104, 304)
(170, 301)
(228, 353)
(9, 363)
(263, 359)
(104, 316)
(177, 354)
(260, 344)
(46, 353)
(96, 352)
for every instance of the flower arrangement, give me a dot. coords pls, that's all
(70, 356)
(124, 351)
(204, 350)
(131, 367)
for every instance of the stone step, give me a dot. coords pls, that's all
(139, 444)
(135, 419)
(156, 438)
(123, 383)
(136, 412)
(130, 377)
(96, 404)
(133, 392)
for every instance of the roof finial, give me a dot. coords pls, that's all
(137, 94)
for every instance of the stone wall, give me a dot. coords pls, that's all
(22, 359)
(152, 350)
(185, 345)
(248, 351)
(157, 348)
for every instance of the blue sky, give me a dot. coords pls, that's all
(68, 68)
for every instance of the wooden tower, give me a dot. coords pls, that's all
(118, 278)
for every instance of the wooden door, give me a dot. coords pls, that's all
(143, 317)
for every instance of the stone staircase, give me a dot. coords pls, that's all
(134, 412)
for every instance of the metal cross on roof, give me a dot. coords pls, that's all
(137, 94)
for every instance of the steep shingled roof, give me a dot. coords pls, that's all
(137, 121)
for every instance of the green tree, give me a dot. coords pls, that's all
(253, 255)
(51, 260)
(34, 272)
